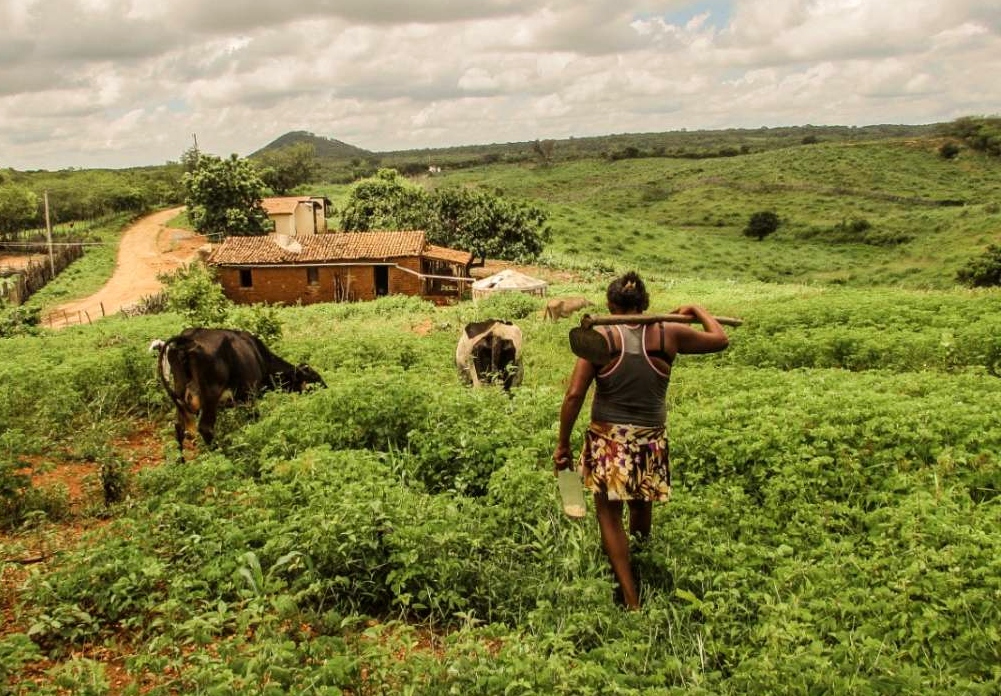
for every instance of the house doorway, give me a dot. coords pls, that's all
(381, 280)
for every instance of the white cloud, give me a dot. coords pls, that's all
(126, 82)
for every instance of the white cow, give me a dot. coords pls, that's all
(489, 352)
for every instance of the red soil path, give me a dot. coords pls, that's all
(147, 249)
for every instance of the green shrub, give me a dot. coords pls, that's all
(983, 271)
(761, 224)
(948, 150)
(260, 319)
(16, 650)
(81, 676)
(462, 439)
(193, 292)
(509, 306)
(114, 474)
(18, 321)
(13, 487)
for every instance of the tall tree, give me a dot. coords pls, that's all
(190, 158)
(18, 209)
(478, 221)
(486, 224)
(544, 150)
(284, 169)
(385, 201)
(224, 198)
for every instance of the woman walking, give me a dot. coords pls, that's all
(625, 453)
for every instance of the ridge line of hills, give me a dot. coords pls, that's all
(327, 148)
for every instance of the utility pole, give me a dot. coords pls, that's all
(48, 235)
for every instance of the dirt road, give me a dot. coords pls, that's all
(147, 249)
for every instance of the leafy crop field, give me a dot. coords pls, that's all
(834, 525)
(833, 528)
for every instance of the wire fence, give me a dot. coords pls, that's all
(148, 304)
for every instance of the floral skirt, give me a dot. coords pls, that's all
(626, 462)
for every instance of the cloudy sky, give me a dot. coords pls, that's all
(118, 83)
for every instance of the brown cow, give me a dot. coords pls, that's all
(562, 307)
(202, 369)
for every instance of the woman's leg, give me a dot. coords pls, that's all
(640, 518)
(616, 543)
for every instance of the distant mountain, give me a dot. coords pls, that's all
(326, 148)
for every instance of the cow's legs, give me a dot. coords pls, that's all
(206, 423)
(179, 431)
(184, 427)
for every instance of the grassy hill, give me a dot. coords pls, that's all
(877, 205)
(887, 211)
(346, 164)
(326, 149)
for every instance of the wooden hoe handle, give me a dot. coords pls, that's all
(587, 321)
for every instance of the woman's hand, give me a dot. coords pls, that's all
(562, 459)
(688, 340)
(689, 310)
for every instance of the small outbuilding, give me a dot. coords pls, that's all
(509, 280)
(339, 266)
(296, 215)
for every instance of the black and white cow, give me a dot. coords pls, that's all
(489, 352)
(203, 369)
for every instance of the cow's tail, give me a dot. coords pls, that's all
(163, 371)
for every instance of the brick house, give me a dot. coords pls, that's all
(339, 266)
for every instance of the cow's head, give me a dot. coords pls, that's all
(304, 375)
(296, 379)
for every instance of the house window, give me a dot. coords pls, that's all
(313, 275)
(246, 279)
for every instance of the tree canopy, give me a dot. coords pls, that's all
(486, 224)
(481, 222)
(761, 224)
(18, 209)
(224, 197)
(979, 133)
(285, 168)
(385, 201)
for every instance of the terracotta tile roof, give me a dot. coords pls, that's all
(283, 205)
(317, 248)
(440, 253)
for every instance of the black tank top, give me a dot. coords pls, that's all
(633, 391)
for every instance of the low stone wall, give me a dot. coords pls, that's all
(19, 284)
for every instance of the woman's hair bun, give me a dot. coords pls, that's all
(629, 293)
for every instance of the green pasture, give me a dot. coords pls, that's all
(926, 216)
(832, 530)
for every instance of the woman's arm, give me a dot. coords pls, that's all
(573, 400)
(688, 340)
